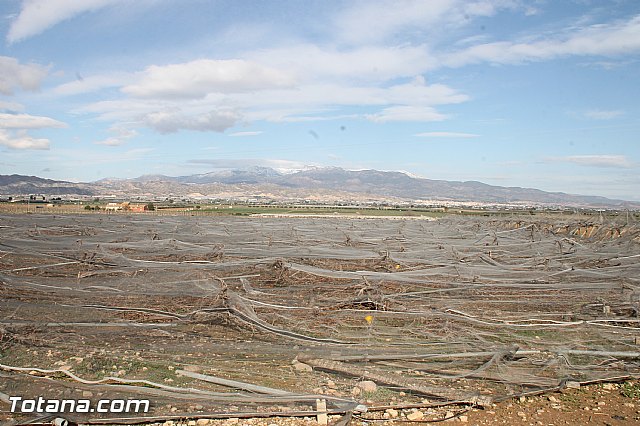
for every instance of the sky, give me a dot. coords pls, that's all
(540, 94)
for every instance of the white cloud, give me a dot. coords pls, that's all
(603, 39)
(14, 127)
(306, 102)
(363, 64)
(174, 120)
(26, 121)
(38, 16)
(407, 113)
(11, 106)
(243, 163)
(603, 114)
(418, 92)
(240, 134)
(607, 160)
(196, 79)
(92, 83)
(14, 75)
(446, 135)
(121, 135)
(374, 21)
(22, 141)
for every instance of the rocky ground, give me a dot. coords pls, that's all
(599, 404)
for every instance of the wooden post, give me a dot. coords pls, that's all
(321, 408)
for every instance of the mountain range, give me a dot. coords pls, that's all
(319, 184)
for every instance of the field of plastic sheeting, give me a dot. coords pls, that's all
(237, 317)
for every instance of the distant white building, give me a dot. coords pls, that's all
(113, 207)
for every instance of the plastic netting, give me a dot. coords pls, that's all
(453, 309)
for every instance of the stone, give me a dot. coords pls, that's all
(191, 423)
(331, 384)
(356, 391)
(463, 419)
(302, 367)
(233, 420)
(572, 385)
(392, 413)
(202, 422)
(198, 407)
(368, 386)
(449, 416)
(416, 415)
(608, 386)
(87, 394)
(552, 398)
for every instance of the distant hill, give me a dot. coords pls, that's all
(329, 183)
(402, 185)
(25, 185)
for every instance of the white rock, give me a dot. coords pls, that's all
(416, 415)
(463, 419)
(356, 391)
(368, 386)
(300, 366)
(392, 413)
(573, 385)
(202, 422)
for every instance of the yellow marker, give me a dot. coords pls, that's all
(368, 319)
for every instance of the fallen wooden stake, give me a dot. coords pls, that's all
(382, 377)
(234, 384)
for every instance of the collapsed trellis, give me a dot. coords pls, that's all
(462, 309)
